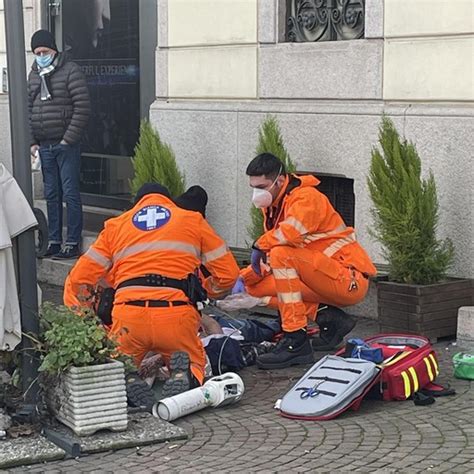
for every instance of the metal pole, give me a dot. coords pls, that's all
(26, 262)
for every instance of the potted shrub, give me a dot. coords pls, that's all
(83, 384)
(418, 297)
(154, 161)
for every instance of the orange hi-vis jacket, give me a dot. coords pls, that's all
(155, 237)
(304, 217)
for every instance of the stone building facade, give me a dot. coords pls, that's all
(222, 65)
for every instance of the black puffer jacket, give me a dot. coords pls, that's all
(64, 117)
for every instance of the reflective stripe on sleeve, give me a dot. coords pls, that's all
(279, 236)
(151, 246)
(293, 297)
(284, 273)
(296, 224)
(98, 258)
(324, 235)
(338, 244)
(214, 254)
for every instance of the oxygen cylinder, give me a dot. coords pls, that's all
(217, 391)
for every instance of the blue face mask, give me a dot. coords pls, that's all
(44, 61)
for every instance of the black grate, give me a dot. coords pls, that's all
(340, 191)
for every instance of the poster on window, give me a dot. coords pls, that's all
(102, 37)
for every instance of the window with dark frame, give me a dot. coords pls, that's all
(324, 20)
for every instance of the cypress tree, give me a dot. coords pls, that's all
(155, 162)
(406, 211)
(270, 140)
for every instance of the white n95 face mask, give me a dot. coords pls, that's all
(262, 198)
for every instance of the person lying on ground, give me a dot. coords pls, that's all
(230, 345)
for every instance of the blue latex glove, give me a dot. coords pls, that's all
(239, 286)
(257, 257)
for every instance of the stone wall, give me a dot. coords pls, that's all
(327, 96)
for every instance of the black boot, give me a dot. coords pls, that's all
(334, 324)
(293, 349)
(181, 379)
(140, 396)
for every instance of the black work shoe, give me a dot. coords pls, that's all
(181, 379)
(139, 393)
(53, 250)
(294, 348)
(334, 324)
(68, 251)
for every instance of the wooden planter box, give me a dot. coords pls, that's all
(88, 399)
(428, 310)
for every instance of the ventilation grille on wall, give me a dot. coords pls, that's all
(340, 191)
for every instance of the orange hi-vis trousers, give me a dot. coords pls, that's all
(301, 279)
(140, 330)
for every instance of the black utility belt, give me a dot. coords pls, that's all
(158, 281)
(156, 303)
(191, 286)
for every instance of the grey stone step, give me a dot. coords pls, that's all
(55, 272)
(465, 334)
(94, 217)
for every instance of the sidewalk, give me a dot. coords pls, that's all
(252, 437)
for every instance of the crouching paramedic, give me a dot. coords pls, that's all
(150, 254)
(313, 257)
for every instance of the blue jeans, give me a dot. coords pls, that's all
(61, 165)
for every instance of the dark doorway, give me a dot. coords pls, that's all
(104, 37)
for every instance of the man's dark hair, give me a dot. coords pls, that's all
(266, 164)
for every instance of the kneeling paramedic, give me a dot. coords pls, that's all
(150, 255)
(306, 256)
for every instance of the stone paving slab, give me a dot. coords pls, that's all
(143, 429)
(22, 451)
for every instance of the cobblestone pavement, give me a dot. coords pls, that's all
(252, 437)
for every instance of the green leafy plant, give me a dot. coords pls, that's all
(69, 339)
(155, 162)
(406, 211)
(270, 140)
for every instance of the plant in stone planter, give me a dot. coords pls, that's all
(418, 298)
(154, 161)
(85, 381)
(270, 140)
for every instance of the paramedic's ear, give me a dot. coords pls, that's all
(280, 181)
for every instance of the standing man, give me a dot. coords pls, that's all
(150, 255)
(59, 108)
(306, 256)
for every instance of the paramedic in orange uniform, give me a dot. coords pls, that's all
(306, 256)
(148, 253)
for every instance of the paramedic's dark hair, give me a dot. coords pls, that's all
(266, 164)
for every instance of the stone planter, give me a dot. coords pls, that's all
(88, 399)
(428, 310)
